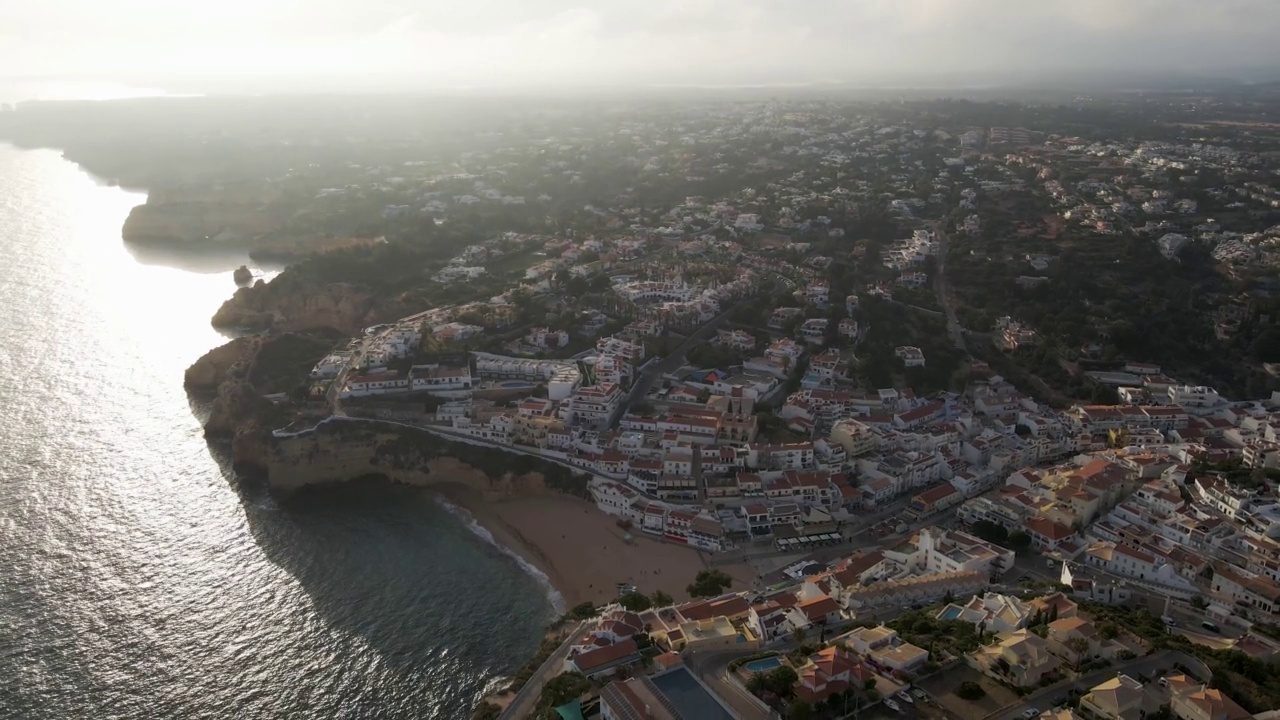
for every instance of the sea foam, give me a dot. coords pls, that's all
(553, 595)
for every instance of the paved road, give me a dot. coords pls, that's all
(1043, 699)
(672, 362)
(522, 705)
(357, 357)
(940, 287)
(713, 668)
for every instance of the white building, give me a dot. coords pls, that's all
(431, 378)
(380, 384)
(593, 405)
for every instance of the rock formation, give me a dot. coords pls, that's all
(340, 450)
(243, 275)
(189, 222)
(235, 408)
(296, 307)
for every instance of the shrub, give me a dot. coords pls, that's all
(970, 690)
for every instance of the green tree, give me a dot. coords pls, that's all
(563, 688)
(799, 710)
(1019, 541)
(709, 583)
(635, 602)
(1103, 395)
(581, 611)
(970, 690)
(781, 681)
(991, 532)
(798, 635)
(660, 599)
(1080, 647)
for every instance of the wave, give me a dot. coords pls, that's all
(553, 596)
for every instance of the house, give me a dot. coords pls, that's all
(714, 633)
(1020, 658)
(828, 672)
(1055, 605)
(935, 500)
(1248, 590)
(593, 405)
(379, 384)
(1200, 702)
(435, 378)
(865, 639)
(903, 657)
(603, 660)
(934, 550)
(991, 612)
(1122, 560)
(735, 340)
(1120, 698)
(545, 338)
(671, 694)
(1074, 639)
(819, 610)
(1048, 535)
(911, 356)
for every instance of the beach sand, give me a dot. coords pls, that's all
(582, 549)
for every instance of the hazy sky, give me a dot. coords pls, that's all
(523, 42)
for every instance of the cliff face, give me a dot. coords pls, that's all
(268, 305)
(338, 450)
(235, 408)
(188, 222)
(220, 364)
(325, 457)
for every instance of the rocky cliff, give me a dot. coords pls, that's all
(237, 411)
(292, 306)
(341, 449)
(331, 454)
(189, 222)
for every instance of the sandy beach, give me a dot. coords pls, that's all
(582, 550)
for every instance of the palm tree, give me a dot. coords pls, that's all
(1079, 646)
(798, 635)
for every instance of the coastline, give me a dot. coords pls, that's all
(580, 550)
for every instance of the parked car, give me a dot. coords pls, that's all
(1163, 682)
(1168, 621)
(1210, 627)
(1030, 713)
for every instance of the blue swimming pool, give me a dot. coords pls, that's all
(950, 612)
(514, 384)
(763, 665)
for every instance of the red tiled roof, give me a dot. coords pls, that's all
(601, 658)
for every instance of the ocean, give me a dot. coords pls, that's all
(139, 577)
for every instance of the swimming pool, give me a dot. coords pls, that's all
(763, 665)
(951, 612)
(514, 384)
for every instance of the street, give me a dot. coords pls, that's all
(1044, 698)
(672, 362)
(940, 287)
(522, 704)
(713, 669)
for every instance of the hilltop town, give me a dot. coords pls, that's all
(985, 395)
